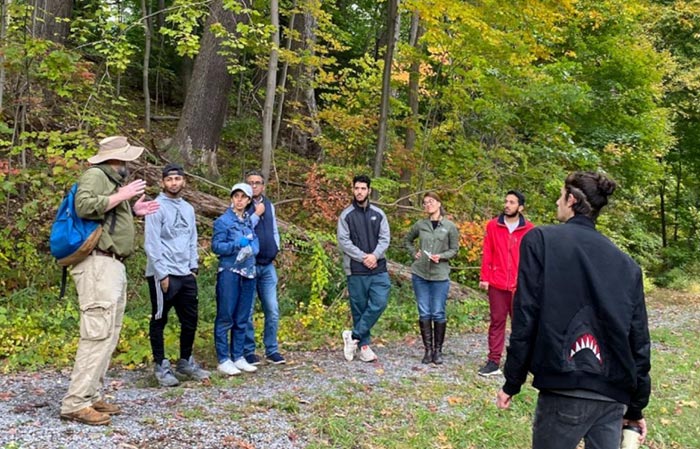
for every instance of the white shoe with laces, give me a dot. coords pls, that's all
(242, 365)
(349, 346)
(367, 355)
(228, 368)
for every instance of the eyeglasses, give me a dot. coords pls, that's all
(256, 183)
(429, 203)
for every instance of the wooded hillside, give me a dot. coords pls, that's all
(466, 98)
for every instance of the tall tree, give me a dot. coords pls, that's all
(283, 83)
(302, 109)
(53, 19)
(146, 64)
(270, 89)
(4, 14)
(413, 82)
(206, 104)
(392, 27)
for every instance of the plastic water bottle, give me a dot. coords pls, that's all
(630, 437)
(245, 252)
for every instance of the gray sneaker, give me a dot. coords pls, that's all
(164, 375)
(190, 368)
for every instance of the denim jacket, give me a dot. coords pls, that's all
(228, 230)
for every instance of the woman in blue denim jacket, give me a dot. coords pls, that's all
(236, 244)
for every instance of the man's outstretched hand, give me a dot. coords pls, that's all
(143, 207)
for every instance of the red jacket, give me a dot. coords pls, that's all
(501, 253)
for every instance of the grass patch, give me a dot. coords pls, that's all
(459, 411)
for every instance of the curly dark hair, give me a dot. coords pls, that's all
(591, 191)
(362, 178)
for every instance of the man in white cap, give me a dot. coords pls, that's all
(100, 279)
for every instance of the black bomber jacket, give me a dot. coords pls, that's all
(579, 317)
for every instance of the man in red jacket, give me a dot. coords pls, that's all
(499, 272)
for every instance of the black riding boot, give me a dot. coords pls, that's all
(426, 331)
(438, 339)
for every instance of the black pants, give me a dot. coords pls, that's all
(181, 294)
(562, 421)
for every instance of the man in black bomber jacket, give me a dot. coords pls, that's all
(579, 326)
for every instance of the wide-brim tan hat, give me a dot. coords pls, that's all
(116, 148)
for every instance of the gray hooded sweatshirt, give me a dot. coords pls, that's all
(171, 239)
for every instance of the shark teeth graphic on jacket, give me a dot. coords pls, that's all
(586, 341)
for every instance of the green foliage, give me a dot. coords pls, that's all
(183, 23)
(34, 327)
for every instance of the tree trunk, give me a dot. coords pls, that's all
(206, 103)
(677, 206)
(413, 81)
(283, 86)
(268, 109)
(146, 65)
(51, 20)
(662, 196)
(160, 17)
(4, 13)
(301, 139)
(392, 17)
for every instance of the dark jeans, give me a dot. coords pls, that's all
(182, 295)
(562, 421)
(266, 286)
(431, 298)
(368, 299)
(234, 300)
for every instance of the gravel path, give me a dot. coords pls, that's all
(244, 412)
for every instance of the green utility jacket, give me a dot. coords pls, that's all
(443, 240)
(94, 188)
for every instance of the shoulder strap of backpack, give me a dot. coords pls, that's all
(112, 212)
(108, 174)
(64, 277)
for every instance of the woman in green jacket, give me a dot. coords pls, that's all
(439, 242)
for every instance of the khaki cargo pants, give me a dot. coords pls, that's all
(101, 285)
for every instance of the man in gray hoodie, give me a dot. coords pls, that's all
(171, 270)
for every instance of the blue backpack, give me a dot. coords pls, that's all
(72, 238)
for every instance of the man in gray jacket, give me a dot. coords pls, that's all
(363, 237)
(171, 248)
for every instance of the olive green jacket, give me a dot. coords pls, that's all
(94, 188)
(443, 240)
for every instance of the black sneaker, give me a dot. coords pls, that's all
(252, 359)
(490, 369)
(276, 359)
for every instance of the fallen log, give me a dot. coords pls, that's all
(457, 291)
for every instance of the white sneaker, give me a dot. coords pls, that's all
(228, 368)
(367, 355)
(349, 346)
(242, 365)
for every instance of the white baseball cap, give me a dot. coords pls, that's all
(243, 187)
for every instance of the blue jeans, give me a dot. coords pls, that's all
(234, 295)
(562, 421)
(368, 298)
(431, 298)
(266, 286)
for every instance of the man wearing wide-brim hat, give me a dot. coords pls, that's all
(100, 278)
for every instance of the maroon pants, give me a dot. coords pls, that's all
(500, 307)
